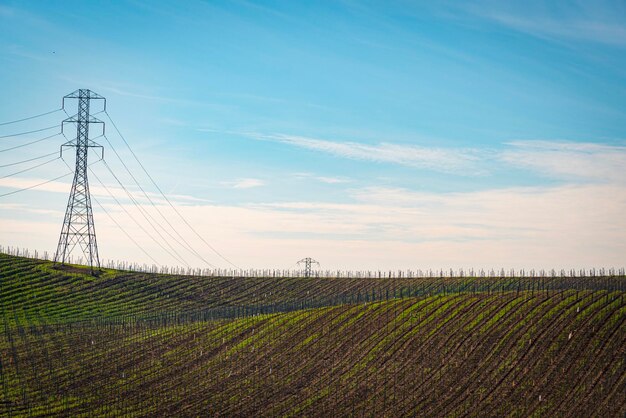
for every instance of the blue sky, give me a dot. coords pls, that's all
(360, 133)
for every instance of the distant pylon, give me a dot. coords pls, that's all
(78, 227)
(307, 265)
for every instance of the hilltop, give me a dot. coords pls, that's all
(78, 345)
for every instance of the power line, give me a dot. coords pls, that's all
(30, 117)
(179, 258)
(78, 228)
(113, 219)
(29, 160)
(42, 183)
(29, 132)
(147, 214)
(36, 185)
(138, 224)
(30, 143)
(30, 168)
(188, 246)
(124, 231)
(165, 197)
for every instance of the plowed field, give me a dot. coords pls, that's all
(79, 346)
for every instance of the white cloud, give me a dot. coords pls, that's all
(569, 160)
(566, 160)
(22, 183)
(576, 225)
(602, 32)
(566, 226)
(323, 179)
(517, 227)
(331, 180)
(463, 160)
(24, 208)
(246, 183)
(96, 189)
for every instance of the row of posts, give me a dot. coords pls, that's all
(293, 273)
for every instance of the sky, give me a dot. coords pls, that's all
(366, 135)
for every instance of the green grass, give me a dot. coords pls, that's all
(135, 344)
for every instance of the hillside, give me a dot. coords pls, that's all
(35, 291)
(80, 346)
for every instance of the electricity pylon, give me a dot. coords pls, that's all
(78, 227)
(307, 265)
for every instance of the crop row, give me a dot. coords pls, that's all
(552, 353)
(37, 290)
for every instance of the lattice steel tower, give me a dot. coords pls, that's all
(308, 262)
(78, 227)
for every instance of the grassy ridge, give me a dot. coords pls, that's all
(76, 345)
(35, 290)
(556, 354)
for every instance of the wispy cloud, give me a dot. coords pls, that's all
(564, 226)
(513, 218)
(564, 160)
(527, 227)
(569, 160)
(100, 192)
(23, 183)
(323, 179)
(599, 22)
(245, 183)
(331, 180)
(22, 208)
(144, 92)
(449, 160)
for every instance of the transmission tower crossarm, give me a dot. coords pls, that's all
(78, 225)
(308, 265)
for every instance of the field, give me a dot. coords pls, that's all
(137, 344)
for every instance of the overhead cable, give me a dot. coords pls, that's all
(147, 214)
(42, 183)
(187, 246)
(179, 258)
(30, 168)
(30, 143)
(165, 197)
(36, 185)
(29, 132)
(29, 160)
(31, 117)
(125, 232)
